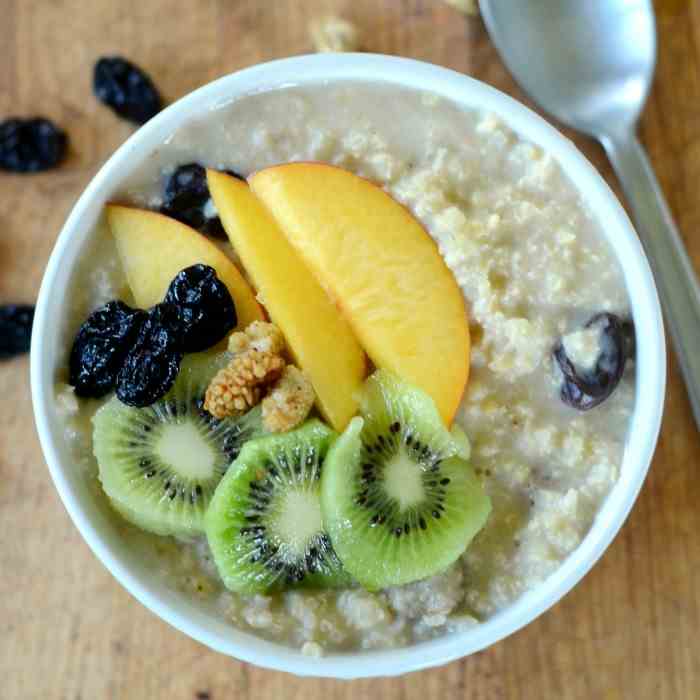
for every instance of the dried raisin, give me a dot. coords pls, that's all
(31, 145)
(15, 329)
(125, 88)
(186, 197)
(584, 390)
(101, 346)
(205, 307)
(153, 362)
(187, 187)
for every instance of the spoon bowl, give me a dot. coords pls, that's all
(587, 63)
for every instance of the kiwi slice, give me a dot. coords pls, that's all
(399, 500)
(264, 523)
(160, 464)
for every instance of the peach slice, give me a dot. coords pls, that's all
(382, 269)
(318, 336)
(153, 248)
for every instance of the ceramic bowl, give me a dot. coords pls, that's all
(184, 613)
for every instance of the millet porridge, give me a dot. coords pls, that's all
(533, 267)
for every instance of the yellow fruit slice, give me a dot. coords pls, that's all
(382, 269)
(153, 248)
(319, 338)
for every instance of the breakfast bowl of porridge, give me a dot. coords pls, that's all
(348, 365)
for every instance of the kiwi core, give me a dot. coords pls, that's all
(298, 519)
(186, 450)
(403, 480)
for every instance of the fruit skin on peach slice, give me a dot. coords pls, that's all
(319, 338)
(381, 267)
(153, 248)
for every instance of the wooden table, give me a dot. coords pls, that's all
(67, 629)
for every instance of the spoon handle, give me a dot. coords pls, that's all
(673, 271)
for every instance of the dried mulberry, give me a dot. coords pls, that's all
(238, 387)
(289, 402)
(260, 336)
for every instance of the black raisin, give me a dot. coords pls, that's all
(572, 395)
(153, 362)
(15, 329)
(31, 145)
(186, 197)
(214, 228)
(125, 88)
(187, 187)
(193, 217)
(100, 347)
(206, 309)
(584, 390)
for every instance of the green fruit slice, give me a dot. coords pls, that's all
(160, 465)
(264, 523)
(399, 501)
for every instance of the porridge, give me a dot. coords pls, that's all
(547, 401)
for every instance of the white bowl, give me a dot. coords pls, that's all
(182, 612)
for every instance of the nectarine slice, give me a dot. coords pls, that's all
(153, 248)
(382, 269)
(318, 336)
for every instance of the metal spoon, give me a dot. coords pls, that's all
(590, 63)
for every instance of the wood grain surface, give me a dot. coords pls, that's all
(67, 629)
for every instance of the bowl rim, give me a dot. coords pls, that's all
(651, 361)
